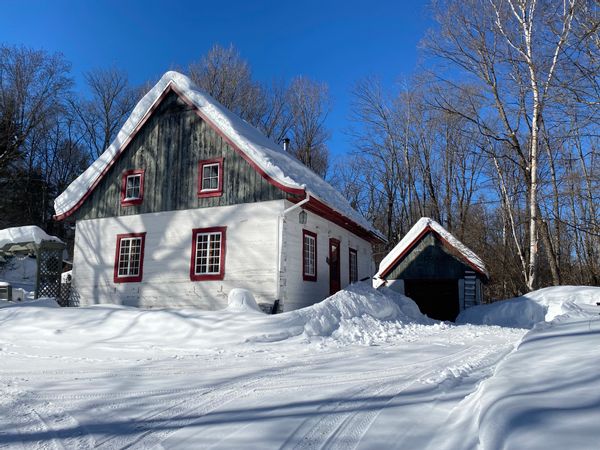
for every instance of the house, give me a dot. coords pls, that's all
(435, 269)
(190, 201)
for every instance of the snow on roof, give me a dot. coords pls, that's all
(423, 224)
(24, 235)
(266, 154)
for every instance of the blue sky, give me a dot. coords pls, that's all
(334, 42)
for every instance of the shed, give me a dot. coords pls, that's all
(436, 270)
(48, 251)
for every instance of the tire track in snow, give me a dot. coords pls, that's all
(191, 410)
(39, 425)
(351, 419)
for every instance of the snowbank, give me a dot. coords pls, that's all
(538, 306)
(359, 315)
(546, 394)
(24, 235)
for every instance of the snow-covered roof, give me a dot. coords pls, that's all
(24, 235)
(423, 225)
(279, 167)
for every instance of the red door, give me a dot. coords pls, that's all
(334, 266)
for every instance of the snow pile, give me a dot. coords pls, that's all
(358, 308)
(242, 300)
(422, 225)
(24, 235)
(266, 154)
(538, 306)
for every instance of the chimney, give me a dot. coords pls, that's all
(286, 144)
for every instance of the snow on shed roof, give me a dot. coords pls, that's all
(278, 167)
(24, 235)
(423, 225)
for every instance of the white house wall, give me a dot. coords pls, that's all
(297, 293)
(251, 257)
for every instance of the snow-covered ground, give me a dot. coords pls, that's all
(363, 369)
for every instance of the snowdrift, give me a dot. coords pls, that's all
(546, 394)
(544, 305)
(359, 314)
(31, 303)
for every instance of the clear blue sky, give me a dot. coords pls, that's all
(337, 42)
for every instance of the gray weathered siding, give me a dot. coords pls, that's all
(429, 259)
(168, 147)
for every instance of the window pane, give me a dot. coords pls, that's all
(210, 177)
(208, 254)
(130, 253)
(309, 255)
(133, 186)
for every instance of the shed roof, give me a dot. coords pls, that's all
(268, 158)
(414, 235)
(26, 237)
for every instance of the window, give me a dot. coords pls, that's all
(210, 178)
(208, 254)
(309, 256)
(132, 187)
(129, 258)
(353, 266)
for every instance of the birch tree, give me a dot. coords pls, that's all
(516, 51)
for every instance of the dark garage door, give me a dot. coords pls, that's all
(436, 298)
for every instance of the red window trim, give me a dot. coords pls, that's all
(123, 279)
(210, 192)
(133, 201)
(217, 276)
(352, 251)
(305, 276)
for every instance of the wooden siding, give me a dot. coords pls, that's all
(250, 257)
(429, 259)
(168, 147)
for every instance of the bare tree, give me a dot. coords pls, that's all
(309, 105)
(102, 115)
(516, 50)
(224, 75)
(298, 110)
(33, 86)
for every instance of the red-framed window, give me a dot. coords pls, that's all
(309, 256)
(353, 265)
(210, 177)
(208, 253)
(132, 187)
(129, 258)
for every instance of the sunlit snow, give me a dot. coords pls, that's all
(363, 369)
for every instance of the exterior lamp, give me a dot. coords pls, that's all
(302, 217)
